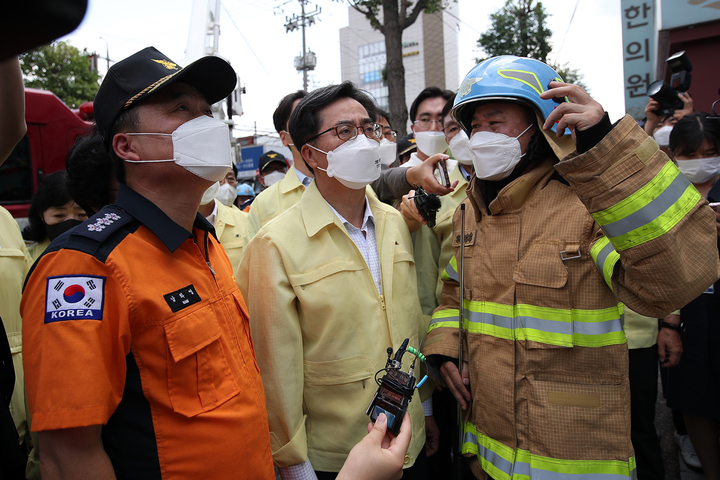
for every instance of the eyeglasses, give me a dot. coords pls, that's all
(427, 122)
(348, 132)
(389, 134)
(451, 129)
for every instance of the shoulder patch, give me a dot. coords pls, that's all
(103, 224)
(71, 297)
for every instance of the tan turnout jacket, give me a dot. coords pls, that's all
(548, 266)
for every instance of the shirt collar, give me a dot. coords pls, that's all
(367, 216)
(147, 213)
(304, 179)
(464, 172)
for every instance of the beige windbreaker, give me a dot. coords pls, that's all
(321, 330)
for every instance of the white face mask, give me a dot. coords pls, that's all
(355, 163)
(210, 193)
(226, 194)
(662, 136)
(431, 143)
(201, 146)
(459, 148)
(495, 155)
(272, 178)
(699, 170)
(387, 152)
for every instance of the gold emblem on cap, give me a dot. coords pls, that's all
(411, 140)
(272, 155)
(166, 64)
(467, 85)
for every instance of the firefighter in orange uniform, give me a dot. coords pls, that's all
(139, 360)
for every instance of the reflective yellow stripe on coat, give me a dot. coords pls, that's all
(552, 326)
(505, 463)
(651, 211)
(605, 257)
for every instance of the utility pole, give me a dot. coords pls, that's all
(107, 52)
(308, 60)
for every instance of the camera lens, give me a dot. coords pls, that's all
(662, 93)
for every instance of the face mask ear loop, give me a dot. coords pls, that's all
(523, 133)
(148, 161)
(317, 149)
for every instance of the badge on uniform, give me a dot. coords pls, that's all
(74, 298)
(182, 298)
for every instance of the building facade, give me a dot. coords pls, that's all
(430, 54)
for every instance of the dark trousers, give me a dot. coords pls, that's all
(441, 464)
(643, 395)
(419, 470)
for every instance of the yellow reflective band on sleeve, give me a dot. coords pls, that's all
(605, 257)
(651, 211)
(449, 318)
(450, 272)
(504, 463)
(552, 326)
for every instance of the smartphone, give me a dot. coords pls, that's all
(444, 177)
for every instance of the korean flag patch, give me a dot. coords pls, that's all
(74, 298)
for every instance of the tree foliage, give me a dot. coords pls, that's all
(62, 69)
(391, 18)
(518, 28)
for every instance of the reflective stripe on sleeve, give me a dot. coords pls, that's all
(651, 211)
(450, 272)
(552, 326)
(505, 463)
(448, 318)
(605, 257)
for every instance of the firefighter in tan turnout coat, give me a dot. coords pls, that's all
(553, 249)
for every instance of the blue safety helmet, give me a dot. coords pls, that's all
(243, 189)
(506, 79)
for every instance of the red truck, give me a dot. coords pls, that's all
(52, 128)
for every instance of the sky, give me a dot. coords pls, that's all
(586, 35)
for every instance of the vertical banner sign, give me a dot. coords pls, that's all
(638, 27)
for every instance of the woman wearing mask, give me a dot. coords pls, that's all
(693, 386)
(51, 213)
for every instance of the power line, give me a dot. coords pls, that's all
(466, 24)
(243, 37)
(566, 32)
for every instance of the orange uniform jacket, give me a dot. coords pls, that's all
(133, 323)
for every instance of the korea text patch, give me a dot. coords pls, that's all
(72, 297)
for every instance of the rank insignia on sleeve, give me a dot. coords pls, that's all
(74, 298)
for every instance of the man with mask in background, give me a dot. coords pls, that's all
(272, 168)
(388, 145)
(426, 117)
(433, 251)
(330, 284)
(228, 220)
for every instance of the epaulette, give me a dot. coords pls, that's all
(93, 235)
(100, 226)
